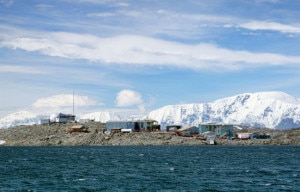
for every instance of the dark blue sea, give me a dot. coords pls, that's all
(150, 168)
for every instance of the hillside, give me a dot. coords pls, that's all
(57, 135)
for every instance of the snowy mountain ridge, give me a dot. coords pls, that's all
(263, 109)
(20, 118)
(276, 110)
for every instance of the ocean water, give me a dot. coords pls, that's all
(150, 168)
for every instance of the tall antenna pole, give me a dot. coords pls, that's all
(73, 103)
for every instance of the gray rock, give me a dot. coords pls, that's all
(45, 135)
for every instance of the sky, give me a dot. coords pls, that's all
(138, 55)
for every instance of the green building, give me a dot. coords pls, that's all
(219, 129)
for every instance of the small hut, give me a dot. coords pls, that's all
(78, 128)
(245, 135)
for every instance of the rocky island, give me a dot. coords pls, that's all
(94, 135)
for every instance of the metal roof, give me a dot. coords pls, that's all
(77, 126)
(186, 127)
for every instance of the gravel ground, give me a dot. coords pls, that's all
(58, 135)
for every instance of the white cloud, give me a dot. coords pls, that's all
(140, 50)
(93, 1)
(43, 6)
(266, 25)
(19, 69)
(118, 13)
(62, 103)
(102, 14)
(64, 100)
(122, 4)
(267, 1)
(108, 2)
(7, 3)
(128, 98)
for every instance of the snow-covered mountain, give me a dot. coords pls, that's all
(20, 118)
(102, 116)
(263, 109)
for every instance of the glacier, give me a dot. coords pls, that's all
(275, 110)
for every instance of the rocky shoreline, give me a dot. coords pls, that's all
(59, 135)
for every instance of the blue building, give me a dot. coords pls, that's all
(135, 126)
(61, 118)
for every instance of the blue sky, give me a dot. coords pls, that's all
(142, 55)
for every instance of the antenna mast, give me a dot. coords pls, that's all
(73, 103)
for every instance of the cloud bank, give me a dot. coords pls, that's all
(139, 50)
(273, 26)
(64, 100)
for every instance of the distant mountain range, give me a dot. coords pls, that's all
(275, 110)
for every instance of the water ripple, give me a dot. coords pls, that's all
(150, 168)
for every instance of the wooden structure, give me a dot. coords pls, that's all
(172, 128)
(78, 129)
